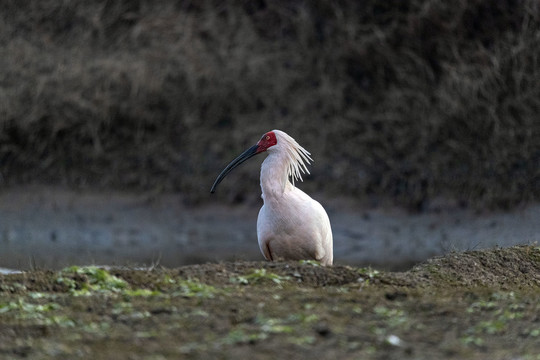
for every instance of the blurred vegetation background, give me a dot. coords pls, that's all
(413, 100)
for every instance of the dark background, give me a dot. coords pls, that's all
(409, 100)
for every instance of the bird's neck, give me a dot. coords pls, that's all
(274, 178)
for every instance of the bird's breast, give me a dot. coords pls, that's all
(291, 212)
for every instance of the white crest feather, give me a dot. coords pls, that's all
(296, 156)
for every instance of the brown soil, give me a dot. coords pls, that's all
(472, 305)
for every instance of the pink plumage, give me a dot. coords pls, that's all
(291, 225)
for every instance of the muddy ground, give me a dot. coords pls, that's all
(472, 305)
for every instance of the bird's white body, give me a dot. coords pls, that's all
(291, 225)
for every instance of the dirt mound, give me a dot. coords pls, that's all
(308, 274)
(503, 268)
(510, 267)
(474, 305)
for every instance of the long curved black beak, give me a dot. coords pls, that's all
(252, 151)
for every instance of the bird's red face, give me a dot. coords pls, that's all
(268, 140)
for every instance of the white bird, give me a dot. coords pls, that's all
(291, 225)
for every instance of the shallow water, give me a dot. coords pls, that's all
(52, 228)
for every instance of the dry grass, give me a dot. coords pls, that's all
(414, 99)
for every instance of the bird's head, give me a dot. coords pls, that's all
(267, 141)
(274, 140)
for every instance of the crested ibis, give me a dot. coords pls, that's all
(291, 225)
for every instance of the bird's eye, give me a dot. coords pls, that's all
(267, 137)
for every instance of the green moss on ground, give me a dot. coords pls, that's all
(473, 305)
